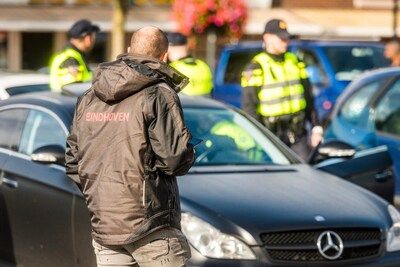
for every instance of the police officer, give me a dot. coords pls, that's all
(198, 72)
(70, 65)
(276, 91)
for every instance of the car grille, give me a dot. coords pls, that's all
(301, 246)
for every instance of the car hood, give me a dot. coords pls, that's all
(280, 198)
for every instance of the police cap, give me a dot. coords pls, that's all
(176, 38)
(82, 28)
(277, 27)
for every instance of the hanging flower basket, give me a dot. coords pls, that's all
(225, 17)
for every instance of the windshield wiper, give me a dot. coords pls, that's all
(240, 168)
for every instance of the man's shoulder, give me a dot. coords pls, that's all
(69, 62)
(190, 60)
(252, 65)
(161, 88)
(291, 56)
(67, 57)
(198, 60)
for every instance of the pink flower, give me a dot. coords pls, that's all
(195, 16)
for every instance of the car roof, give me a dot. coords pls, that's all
(56, 102)
(10, 79)
(363, 79)
(66, 103)
(64, 106)
(256, 45)
(336, 43)
(372, 75)
(187, 101)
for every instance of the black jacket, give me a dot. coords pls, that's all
(127, 143)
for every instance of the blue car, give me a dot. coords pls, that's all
(367, 115)
(331, 66)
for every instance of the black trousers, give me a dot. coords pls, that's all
(291, 130)
(302, 148)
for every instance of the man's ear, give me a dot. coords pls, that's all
(129, 49)
(265, 37)
(164, 57)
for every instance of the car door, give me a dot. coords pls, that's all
(387, 124)
(371, 168)
(40, 201)
(11, 123)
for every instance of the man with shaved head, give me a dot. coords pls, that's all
(127, 144)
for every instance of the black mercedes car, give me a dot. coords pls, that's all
(248, 201)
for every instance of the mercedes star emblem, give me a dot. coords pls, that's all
(330, 245)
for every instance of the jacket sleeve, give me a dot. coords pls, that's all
(71, 153)
(169, 137)
(311, 114)
(251, 82)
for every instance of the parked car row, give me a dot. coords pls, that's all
(253, 205)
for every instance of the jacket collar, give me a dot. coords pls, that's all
(169, 75)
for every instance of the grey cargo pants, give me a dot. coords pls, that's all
(166, 247)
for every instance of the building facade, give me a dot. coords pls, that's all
(32, 30)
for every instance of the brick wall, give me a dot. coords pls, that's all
(314, 3)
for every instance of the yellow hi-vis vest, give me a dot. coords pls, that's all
(281, 90)
(61, 76)
(242, 138)
(199, 74)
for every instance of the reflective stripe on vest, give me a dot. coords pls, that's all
(242, 138)
(62, 76)
(199, 74)
(282, 92)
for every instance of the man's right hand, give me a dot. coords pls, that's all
(317, 136)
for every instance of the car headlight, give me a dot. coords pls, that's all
(393, 237)
(210, 242)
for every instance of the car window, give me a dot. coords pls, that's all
(350, 61)
(236, 64)
(387, 113)
(41, 129)
(314, 68)
(11, 123)
(353, 108)
(16, 90)
(230, 139)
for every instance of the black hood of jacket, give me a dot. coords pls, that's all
(130, 73)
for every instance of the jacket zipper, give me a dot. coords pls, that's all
(144, 193)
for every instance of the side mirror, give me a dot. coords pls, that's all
(331, 149)
(49, 154)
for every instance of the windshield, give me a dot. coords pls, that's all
(350, 61)
(230, 139)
